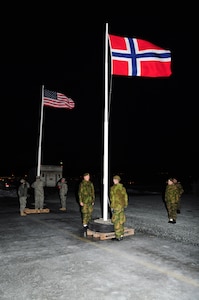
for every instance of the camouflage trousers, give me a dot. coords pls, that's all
(39, 202)
(86, 211)
(63, 200)
(118, 219)
(22, 202)
(172, 209)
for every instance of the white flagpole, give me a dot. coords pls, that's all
(106, 129)
(40, 134)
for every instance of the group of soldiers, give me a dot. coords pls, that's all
(86, 195)
(38, 186)
(118, 203)
(23, 194)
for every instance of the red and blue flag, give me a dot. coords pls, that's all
(137, 57)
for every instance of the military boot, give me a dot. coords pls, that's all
(22, 214)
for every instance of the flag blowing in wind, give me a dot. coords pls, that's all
(136, 57)
(57, 100)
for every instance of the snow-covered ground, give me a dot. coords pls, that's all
(47, 256)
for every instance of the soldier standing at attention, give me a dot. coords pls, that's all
(171, 200)
(63, 190)
(86, 195)
(23, 194)
(38, 186)
(118, 202)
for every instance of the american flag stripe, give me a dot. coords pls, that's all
(57, 100)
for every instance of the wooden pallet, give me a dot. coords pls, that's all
(109, 235)
(36, 211)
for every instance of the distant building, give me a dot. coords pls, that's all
(50, 174)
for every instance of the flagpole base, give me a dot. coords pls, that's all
(101, 225)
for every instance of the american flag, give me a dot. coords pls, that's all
(136, 57)
(57, 100)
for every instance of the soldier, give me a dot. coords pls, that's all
(171, 200)
(23, 194)
(180, 192)
(86, 195)
(38, 186)
(63, 190)
(118, 202)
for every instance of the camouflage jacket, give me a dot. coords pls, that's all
(63, 188)
(118, 197)
(23, 190)
(38, 186)
(171, 193)
(86, 192)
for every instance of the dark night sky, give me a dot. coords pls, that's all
(153, 122)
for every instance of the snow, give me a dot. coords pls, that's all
(48, 257)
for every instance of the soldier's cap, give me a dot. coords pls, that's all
(22, 181)
(86, 174)
(117, 177)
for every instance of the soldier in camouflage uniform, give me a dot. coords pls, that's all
(63, 190)
(180, 192)
(38, 186)
(118, 202)
(86, 195)
(171, 200)
(23, 195)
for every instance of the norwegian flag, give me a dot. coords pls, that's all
(136, 57)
